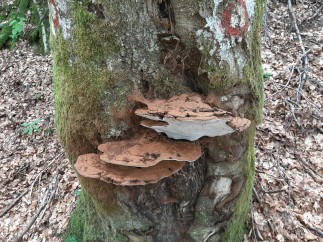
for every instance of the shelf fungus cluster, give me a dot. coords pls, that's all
(188, 117)
(149, 158)
(137, 161)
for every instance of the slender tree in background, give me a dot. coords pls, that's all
(106, 51)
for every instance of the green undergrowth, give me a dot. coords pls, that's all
(13, 21)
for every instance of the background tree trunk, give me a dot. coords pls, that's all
(103, 51)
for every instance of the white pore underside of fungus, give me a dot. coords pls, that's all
(188, 117)
(190, 129)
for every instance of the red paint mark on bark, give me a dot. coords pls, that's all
(226, 20)
(55, 17)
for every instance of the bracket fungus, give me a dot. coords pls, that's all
(145, 152)
(188, 117)
(137, 161)
(149, 158)
(91, 166)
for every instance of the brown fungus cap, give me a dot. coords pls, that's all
(188, 117)
(146, 151)
(91, 166)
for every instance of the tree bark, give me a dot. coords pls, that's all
(104, 51)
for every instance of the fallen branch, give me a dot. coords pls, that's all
(10, 206)
(315, 230)
(256, 194)
(303, 75)
(271, 227)
(271, 191)
(253, 225)
(309, 170)
(315, 14)
(38, 176)
(48, 196)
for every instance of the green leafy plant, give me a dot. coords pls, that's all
(17, 26)
(71, 239)
(37, 96)
(77, 192)
(31, 127)
(265, 75)
(49, 130)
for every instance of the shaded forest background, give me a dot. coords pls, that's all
(39, 188)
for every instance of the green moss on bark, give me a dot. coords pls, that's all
(92, 220)
(84, 222)
(252, 73)
(238, 223)
(86, 91)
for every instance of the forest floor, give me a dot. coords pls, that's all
(39, 189)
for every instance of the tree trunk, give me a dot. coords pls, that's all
(106, 50)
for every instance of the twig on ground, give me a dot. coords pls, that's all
(315, 230)
(303, 75)
(293, 104)
(316, 177)
(56, 158)
(306, 99)
(315, 14)
(272, 191)
(253, 225)
(30, 188)
(275, 177)
(48, 196)
(271, 227)
(10, 206)
(256, 194)
(282, 173)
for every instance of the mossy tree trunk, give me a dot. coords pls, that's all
(106, 49)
